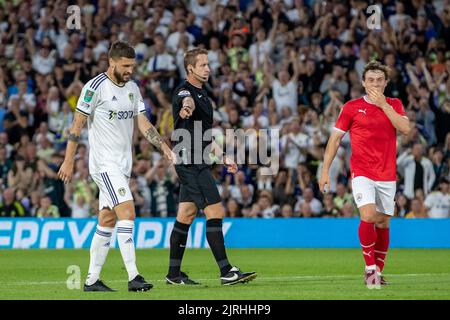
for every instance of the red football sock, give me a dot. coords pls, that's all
(368, 238)
(381, 247)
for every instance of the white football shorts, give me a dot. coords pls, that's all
(114, 189)
(381, 193)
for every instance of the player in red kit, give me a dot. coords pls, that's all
(372, 121)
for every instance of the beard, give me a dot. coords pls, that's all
(120, 77)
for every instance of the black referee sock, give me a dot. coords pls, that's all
(178, 240)
(214, 235)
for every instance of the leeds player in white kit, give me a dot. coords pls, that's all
(109, 104)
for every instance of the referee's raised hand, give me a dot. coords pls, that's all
(185, 112)
(187, 108)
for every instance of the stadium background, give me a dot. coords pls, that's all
(287, 65)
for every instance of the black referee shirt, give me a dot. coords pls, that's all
(203, 114)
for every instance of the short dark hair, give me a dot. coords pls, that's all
(190, 57)
(121, 49)
(375, 65)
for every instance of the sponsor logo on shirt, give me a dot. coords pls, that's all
(112, 115)
(184, 93)
(363, 111)
(131, 97)
(114, 98)
(121, 115)
(85, 105)
(88, 95)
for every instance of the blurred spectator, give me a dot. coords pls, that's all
(417, 171)
(260, 49)
(283, 191)
(161, 183)
(141, 167)
(266, 206)
(174, 38)
(335, 170)
(342, 196)
(35, 199)
(237, 53)
(402, 205)
(21, 197)
(246, 193)
(161, 66)
(5, 166)
(416, 209)
(439, 166)
(80, 191)
(239, 187)
(295, 144)
(43, 132)
(335, 81)
(233, 209)
(284, 87)
(9, 206)
(43, 57)
(138, 198)
(437, 203)
(348, 210)
(25, 100)
(307, 205)
(4, 141)
(53, 186)
(20, 176)
(286, 211)
(47, 209)
(329, 207)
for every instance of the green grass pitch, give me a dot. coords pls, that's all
(287, 274)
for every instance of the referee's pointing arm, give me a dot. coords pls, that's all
(188, 107)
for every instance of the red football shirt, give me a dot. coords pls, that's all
(372, 138)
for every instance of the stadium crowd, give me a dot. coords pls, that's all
(286, 65)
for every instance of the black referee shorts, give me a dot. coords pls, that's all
(197, 185)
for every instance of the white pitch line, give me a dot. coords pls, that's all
(259, 279)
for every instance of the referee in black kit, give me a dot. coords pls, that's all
(192, 108)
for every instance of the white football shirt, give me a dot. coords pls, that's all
(438, 204)
(110, 110)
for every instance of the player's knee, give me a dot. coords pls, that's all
(215, 211)
(186, 213)
(125, 211)
(368, 213)
(382, 222)
(369, 218)
(107, 218)
(185, 219)
(220, 213)
(109, 223)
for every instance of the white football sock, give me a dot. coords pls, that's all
(99, 250)
(126, 245)
(372, 267)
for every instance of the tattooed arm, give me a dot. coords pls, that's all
(152, 135)
(66, 171)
